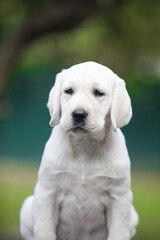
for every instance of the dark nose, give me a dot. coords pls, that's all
(79, 115)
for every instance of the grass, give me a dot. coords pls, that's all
(17, 182)
(146, 189)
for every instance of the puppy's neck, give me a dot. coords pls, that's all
(90, 144)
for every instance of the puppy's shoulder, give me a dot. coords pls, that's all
(119, 156)
(54, 150)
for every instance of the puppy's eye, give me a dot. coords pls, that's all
(69, 91)
(98, 93)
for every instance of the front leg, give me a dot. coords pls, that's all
(46, 213)
(118, 217)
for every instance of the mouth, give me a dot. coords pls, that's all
(79, 129)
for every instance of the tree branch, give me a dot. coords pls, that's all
(56, 18)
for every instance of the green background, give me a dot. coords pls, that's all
(126, 38)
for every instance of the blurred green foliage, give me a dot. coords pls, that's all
(126, 38)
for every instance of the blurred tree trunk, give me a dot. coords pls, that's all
(56, 18)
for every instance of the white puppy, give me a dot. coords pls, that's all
(83, 188)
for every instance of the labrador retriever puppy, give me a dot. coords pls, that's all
(83, 190)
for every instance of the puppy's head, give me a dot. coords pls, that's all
(84, 95)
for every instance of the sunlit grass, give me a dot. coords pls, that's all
(146, 189)
(17, 182)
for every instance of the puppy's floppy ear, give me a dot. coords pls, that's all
(54, 101)
(121, 110)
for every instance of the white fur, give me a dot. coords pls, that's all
(83, 188)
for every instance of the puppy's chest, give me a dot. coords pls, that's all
(83, 186)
